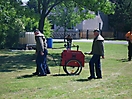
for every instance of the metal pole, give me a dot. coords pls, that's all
(87, 34)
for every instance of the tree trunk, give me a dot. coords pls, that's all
(42, 20)
(41, 23)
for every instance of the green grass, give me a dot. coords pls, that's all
(17, 82)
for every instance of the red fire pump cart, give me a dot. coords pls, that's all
(72, 61)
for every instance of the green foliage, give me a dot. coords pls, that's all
(121, 21)
(68, 15)
(29, 23)
(33, 5)
(46, 6)
(11, 25)
(47, 30)
(104, 6)
(15, 18)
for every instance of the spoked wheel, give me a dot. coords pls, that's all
(73, 67)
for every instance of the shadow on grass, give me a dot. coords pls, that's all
(87, 58)
(54, 59)
(31, 75)
(123, 60)
(13, 61)
(25, 76)
(16, 62)
(63, 75)
(60, 75)
(82, 80)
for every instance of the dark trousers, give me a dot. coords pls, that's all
(95, 63)
(45, 66)
(129, 50)
(41, 62)
(68, 45)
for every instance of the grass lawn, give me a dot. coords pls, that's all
(17, 81)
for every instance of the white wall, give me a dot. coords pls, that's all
(100, 22)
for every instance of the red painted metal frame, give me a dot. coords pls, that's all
(68, 55)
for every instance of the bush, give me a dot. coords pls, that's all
(47, 29)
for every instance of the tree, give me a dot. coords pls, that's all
(46, 6)
(67, 15)
(11, 24)
(121, 21)
(29, 23)
(47, 30)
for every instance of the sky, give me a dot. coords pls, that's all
(25, 0)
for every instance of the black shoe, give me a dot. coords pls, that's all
(129, 59)
(35, 73)
(99, 78)
(90, 78)
(48, 72)
(42, 75)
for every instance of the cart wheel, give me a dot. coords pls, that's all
(72, 70)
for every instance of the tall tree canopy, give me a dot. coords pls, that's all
(15, 18)
(67, 15)
(44, 7)
(121, 21)
(10, 21)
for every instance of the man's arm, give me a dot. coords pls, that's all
(41, 46)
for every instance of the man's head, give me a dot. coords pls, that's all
(68, 36)
(96, 32)
(38, 33)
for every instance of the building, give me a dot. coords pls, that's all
(85, 28)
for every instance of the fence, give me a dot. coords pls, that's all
(61, 34)
(88, 34)
(119, 35)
